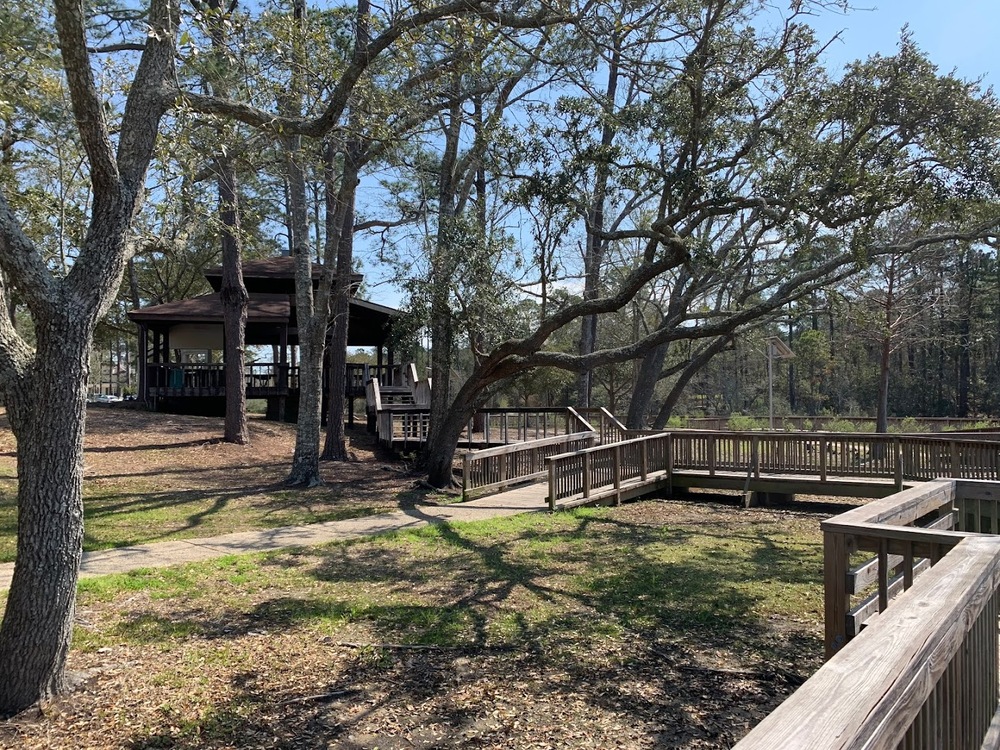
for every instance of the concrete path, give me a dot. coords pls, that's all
(521, 500)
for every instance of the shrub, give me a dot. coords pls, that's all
(908, 426)
(840, 425)
(743, 423)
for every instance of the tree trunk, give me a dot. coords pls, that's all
(47, 417)
(594, 254)
(312, 308)
(305, 460)
(442, 324)
(439, 454)
(233, 293)
(650, 367)
(693, 367)
(234, 307)
(336, 441)
(882, 408)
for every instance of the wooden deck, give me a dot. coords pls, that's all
(911, 632)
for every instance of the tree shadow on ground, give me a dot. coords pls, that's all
(672, 651)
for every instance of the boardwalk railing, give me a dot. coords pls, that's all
(518, 425)
(607, 471)
(906, 532)
(934, 424)
(923, 677)
(609, 429)
(896, 457)
(504, 465)
(923, 674)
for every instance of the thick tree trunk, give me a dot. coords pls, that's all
(697, 363)
(646, 379)
(305, 460)
(442, 324)
(234, 307)
(336, 441)
(596, 243)
(45, 391)
(47, 416)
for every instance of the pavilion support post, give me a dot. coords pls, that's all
(142, 365)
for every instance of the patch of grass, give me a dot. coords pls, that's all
(125, 514)
(591, 573)
(158, 583)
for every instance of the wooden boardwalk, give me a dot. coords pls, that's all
(630, 463)
(537, 493)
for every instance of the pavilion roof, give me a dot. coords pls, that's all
(207, 308)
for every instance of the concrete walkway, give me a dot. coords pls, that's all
(521, 500)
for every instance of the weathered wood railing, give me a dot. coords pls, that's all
(603, 472)
(609, 429)
(501, 466)
(402, 424)
(923, 677)
(906, 532)
(517, 425)
(895, 457)
(934, 424)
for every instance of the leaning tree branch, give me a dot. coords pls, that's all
(793, 288)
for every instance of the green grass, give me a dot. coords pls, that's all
(129, 512)
(588, 574)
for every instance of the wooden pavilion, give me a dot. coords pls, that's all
(181, 344)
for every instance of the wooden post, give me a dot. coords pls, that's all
(586, 474)
(143, 365)
(618, 474)
(711, 454)
(836, 600)
(954, 459)
(644, 458)
(755, 450)
(465, 476)
(822, 458)
(883, 574)
(552, 485)
(898, 445)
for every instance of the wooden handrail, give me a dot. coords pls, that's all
(608, 426)
(923, 676)
(493, 468)
(899, 458)
(936, 424)
(601, 472)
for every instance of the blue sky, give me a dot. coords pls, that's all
(960, 35)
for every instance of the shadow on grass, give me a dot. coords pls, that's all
(591, 608)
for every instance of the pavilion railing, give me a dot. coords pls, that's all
(195, 379)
